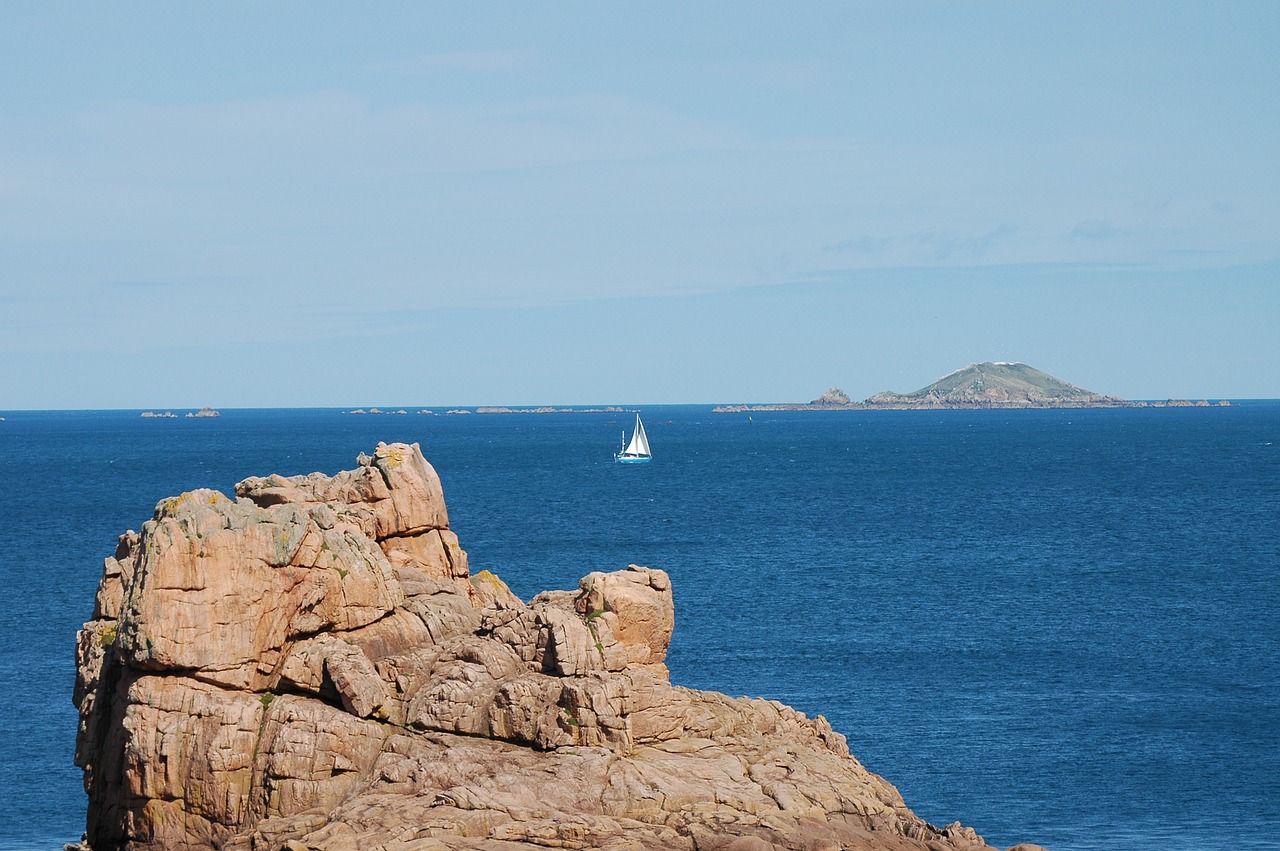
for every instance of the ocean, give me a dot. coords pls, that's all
(1059, 627)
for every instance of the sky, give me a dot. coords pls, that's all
(243, 204)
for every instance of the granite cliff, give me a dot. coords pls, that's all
(312, 665)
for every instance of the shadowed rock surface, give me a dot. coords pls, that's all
(312, 665)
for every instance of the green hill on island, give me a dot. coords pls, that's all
(978, 385)
(997, 385)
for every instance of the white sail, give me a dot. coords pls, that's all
(639, 445)
(641, 440)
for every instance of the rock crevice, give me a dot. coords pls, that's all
(311, 665)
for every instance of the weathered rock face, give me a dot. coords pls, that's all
(312, 666)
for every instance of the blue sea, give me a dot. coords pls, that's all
(1056, 626)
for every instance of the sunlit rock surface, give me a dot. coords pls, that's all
(312, 666)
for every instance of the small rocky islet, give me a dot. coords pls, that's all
(313, 665)
(202, 414)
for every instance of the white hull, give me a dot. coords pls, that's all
(632, 459)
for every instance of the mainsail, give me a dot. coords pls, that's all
(639, 445)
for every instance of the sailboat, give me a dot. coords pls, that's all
(637, 451)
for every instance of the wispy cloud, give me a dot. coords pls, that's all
(335, 137)
(474, 61)
(145, 285)
(859, 245)
(1096, 229)
(947, 246)
(931, 245)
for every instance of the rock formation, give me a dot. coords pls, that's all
(312, 665)
(833, 397)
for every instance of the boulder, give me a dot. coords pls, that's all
(636, 607)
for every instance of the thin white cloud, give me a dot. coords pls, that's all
(943, 246)
(1096, 229)
(474, 61)
(860, 245)
(332, 137)
(929, 245)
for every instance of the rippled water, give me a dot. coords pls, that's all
(1056, 626)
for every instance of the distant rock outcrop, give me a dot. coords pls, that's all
(312, 665)
(833, 397)
(1185, 403)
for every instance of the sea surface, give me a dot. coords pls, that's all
(1060, 627)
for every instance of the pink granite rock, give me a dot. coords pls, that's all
(313, 666)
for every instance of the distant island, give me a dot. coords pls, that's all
(494, 409)
(546, 409)
(170, 415)
(978, 385)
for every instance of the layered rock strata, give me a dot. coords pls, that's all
(312, 665)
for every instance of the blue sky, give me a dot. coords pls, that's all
(245, 204)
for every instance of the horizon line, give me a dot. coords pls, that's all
(179, 411)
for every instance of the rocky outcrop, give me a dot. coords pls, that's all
(834, 397)
(312, 665)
